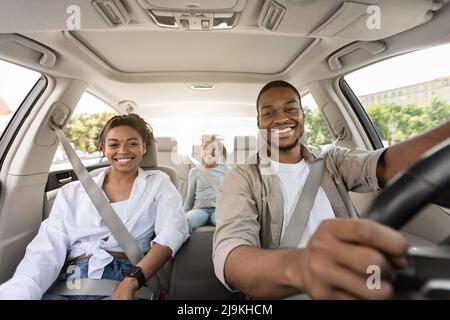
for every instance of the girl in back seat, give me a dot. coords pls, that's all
(203, 180)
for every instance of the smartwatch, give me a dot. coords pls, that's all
(136, 272)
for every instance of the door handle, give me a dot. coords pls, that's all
(64, 180)
(64, 177)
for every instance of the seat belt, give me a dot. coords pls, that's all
(113, 222)
(95, 287)
(205, 172)
(305, 202)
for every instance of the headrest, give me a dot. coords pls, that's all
(196, 149)
(150, 159)
(304, 138)
(244, 143)
(166, 143)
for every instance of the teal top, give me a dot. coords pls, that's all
(199, 193)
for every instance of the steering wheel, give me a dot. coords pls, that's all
(427, 181)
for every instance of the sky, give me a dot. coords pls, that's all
(15, 83)
(429, 64)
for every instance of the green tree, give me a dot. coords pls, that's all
(83, 130)
(380, 114)
(411, 119)
(439, 111)
(316, 129)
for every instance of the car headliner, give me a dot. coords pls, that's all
(155, 67)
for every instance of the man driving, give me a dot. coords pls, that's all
(331, 259)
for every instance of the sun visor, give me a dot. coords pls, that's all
(337, 19)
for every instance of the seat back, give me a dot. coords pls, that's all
(193, 276)
(244, 147)
(196, 152)
(304, 138)
(167, 148)
(150, 162)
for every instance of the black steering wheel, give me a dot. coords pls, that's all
(427, 181)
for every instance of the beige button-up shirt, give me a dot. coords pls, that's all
(250, 210)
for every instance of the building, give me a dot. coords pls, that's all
(418, 94)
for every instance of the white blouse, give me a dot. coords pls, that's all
(152, 214)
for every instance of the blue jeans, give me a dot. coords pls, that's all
(200, 217)
(116, 270)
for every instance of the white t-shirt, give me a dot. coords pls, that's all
(292, 179)
(120, 208)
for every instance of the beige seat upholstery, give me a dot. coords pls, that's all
(196, 152)
(168, 155)
(193, 265)
(304, 138)
(192, 276)
(244, 146)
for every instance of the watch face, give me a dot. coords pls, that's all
(136, 272)
(133, 270)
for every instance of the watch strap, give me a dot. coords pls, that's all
(136, 272)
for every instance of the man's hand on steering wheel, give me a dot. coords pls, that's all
(336, 261)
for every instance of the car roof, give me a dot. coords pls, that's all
(162, 69)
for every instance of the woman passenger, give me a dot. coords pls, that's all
(75, 237)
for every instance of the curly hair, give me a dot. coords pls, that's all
(131, 120)
(214, 139)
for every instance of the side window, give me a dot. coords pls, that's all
(316, 129)
(89, 117)
(406, 95)
(15, 83)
